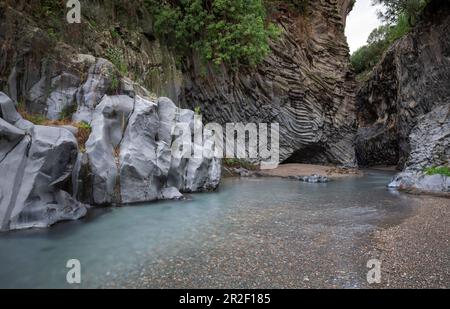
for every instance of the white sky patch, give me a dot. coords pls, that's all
(360, 23)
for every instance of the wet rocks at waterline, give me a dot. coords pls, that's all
(312, 179)
(48, 177)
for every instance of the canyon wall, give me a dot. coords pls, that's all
(397, 106)
(306, 85)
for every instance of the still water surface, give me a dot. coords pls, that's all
(258, 232)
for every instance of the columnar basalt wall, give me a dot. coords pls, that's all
(409, 83)
(306, 85)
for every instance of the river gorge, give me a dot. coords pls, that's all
(97, 185)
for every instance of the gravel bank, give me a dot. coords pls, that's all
(294, 169)
(416, 253)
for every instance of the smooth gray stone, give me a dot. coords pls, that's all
(91, 93)
(421, 182)
(171, 193)
(35, 171)
(141, 178)
(62, 94)
(9, 113)
(109, 122)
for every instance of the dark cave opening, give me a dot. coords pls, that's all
(313, 154)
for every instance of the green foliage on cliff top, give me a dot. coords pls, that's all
(393, 9)
(443, 170)
(230, 32)
(399, 17)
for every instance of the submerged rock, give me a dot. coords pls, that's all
(241, 172)
(314, 179)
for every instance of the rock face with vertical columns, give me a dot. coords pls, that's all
(305, 84)
(409, 83)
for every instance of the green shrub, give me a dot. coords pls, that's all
(443, 170)
(115, 55)
(114, 33)
(400, 16)
(232, 32)
(237, 163)
(84, 131)
(68, 111)
(115, 84)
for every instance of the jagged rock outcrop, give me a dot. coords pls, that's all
(128, 159)
(412, 80)
(36, 166)
(53, 77)
(45, 61)
(306, 85)
(430, 147)
(129, 156)
(430, 140)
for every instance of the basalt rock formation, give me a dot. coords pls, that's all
(40, 65)
(306, 85)
(399, 101)
(51, 171)
(430, 147)
(36, 166)
(128, 159)
(404, 107)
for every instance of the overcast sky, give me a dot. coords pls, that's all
(360, 23)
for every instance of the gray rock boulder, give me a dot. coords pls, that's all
(194, 173)
(102, 148)
(129, 154)
(37, 167)
(63, 89)
(98, 83)
(430, 140)
(315, 179)
(421, 183)
(10, 114)
(143, 159)
(170, 193)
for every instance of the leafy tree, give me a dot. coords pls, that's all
(399, 17)
(409, 9)
(233, 32)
